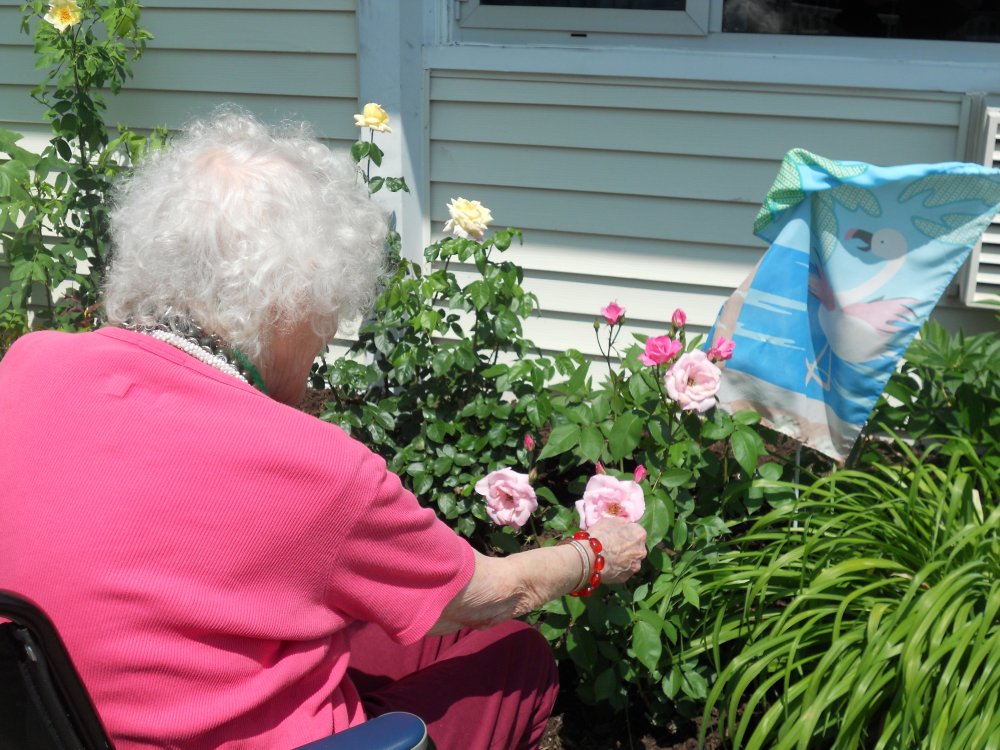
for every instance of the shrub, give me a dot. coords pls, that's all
(53, 205)
(949, 384)
(443, 383)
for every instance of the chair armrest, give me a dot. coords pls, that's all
(392, 731)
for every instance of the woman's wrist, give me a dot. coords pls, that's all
(592, 562)
(586, 556)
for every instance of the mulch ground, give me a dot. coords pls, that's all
(575, 726)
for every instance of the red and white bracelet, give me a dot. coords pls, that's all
(591, 577)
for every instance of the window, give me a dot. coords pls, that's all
(582, 17)
(617, 4)
(957, 20)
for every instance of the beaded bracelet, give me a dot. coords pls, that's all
(591, 577)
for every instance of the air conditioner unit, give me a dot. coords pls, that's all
(981, 282)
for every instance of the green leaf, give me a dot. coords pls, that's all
(375, 154)
(63, 149)
(689, 589)
(675, 477)
(606, 684)
(591, 443)
(647, 644)
(625, 436)
(581, 646)
(358, 151)
(770, 471)
(422, 484)
(446, 504)
(561, 439)
(658, 517)
(747, 448)
(719, 427)
(746, 417)
(395, 184)
(578, 378)
(680, 534)
(375, 184)
(672, 682)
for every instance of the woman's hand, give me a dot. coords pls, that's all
(624, 546)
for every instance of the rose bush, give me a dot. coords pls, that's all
(54, 205)
(443, 383)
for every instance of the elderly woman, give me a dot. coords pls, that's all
(228, 571)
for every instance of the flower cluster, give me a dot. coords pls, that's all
(693, 377)
(510, 498)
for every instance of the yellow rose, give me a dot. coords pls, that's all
(468, 219)
(63, 14)
(373, 117)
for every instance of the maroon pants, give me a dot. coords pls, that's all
(476, 689)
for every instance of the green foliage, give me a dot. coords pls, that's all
(444, 385)
(53, 205)
(866, 613)
(435, 398)
(949, 385)
(823, 614)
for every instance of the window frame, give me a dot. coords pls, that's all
(478, 22)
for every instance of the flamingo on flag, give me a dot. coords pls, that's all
(859, 256)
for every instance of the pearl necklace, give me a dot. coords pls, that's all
(199, 352)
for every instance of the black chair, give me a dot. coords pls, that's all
(45, 706)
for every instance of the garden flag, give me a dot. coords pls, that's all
(859, 256)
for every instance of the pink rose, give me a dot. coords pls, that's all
(659, 349)
(693, 381)
(640, 473)
(678, 318)
(599, 468)
(613, 312)
(529, 443)
(606, 496)
(722, 349)
(510, 500)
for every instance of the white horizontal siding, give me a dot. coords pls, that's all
(645, 191)
(294, 60)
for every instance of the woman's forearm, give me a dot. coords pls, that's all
(506, 587)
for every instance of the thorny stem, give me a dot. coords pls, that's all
(98, 260)
(534, 531)
(368, 167)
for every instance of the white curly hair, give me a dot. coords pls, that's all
(245, 231)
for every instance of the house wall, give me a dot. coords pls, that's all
(635, 168)
(645, 190)
(636, 163)
(281, 60)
